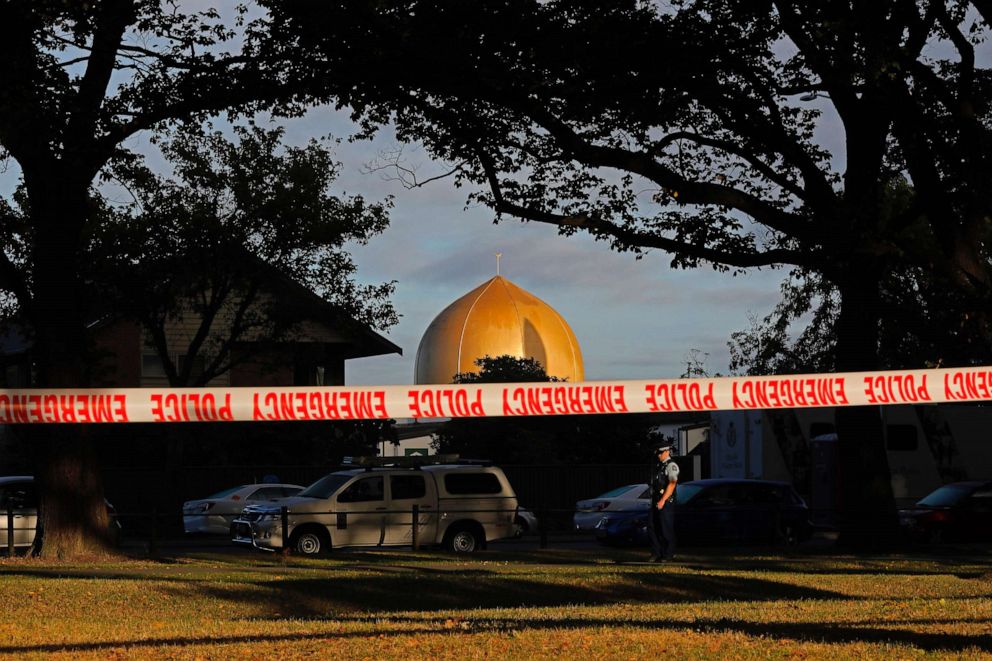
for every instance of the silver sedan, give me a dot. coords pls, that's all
(630, 497)
(214, 514)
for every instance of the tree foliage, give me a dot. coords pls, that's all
(565, 112)
(506, 369)
(573, 439)
(226, 241)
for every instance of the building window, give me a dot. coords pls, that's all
(152, 367)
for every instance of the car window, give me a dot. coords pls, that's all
(645, 495)
(226, 492)
(721, 495)
(687, 492)
(764, 494)
(266, 493)
(326, 486)
(291, 491)
(365, 490)
(945, 496)
(617, 492)
(463, 484)
(19, 496)
(407, 487)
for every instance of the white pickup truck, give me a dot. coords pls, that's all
(460, 507)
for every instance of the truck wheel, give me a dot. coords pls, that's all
(464, 539)
(310, 541)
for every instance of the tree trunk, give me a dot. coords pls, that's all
(867, 517)
(74, 521)
(73, 511)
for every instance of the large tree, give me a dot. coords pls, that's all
(925, 320)
(78, 81)
(564, 112)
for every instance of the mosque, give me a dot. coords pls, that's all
(497, 318)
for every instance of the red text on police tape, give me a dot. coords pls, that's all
(563, 400)
(333, 405)
(787, 392)
(445, 402)
(896, 388)
(968, 385)
(680, 396)
(63, 408)
(190, 407)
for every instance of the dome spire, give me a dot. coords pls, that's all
(498, 255)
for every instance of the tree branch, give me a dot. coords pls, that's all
(690, 192)
(640, 239)
(113, 19)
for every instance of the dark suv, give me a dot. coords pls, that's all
(722, 510)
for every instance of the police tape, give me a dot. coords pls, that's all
(933, 386)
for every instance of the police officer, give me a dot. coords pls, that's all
(662, 519)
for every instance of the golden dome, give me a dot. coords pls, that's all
(497, 318)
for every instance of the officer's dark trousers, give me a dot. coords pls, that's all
(662, 532)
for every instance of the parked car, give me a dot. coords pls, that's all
(462, 507)
(721, 510)
(20, 494)
(629, 497)
(960, 512)
(214, 514)
(524, 523)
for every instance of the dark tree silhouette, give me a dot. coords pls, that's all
(79, 80)
(565, 112)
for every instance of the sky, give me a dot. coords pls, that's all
(634, 319)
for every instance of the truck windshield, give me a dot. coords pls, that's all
(325, 486)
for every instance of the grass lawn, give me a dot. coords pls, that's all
(574, 604)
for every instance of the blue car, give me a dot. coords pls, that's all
(720, 510)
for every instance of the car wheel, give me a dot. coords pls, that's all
(310, 541)
(463, 539)
(520, 527)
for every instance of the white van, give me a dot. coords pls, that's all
(461, 507)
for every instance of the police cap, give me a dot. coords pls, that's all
(665, 445)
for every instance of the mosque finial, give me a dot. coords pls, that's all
(498, 255)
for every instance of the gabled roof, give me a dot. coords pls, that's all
(294, 298)
(302, 302)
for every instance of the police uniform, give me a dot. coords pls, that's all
(662, 522)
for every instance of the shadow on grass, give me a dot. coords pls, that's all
(428, 591)
(201, 566)
(828, 632)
